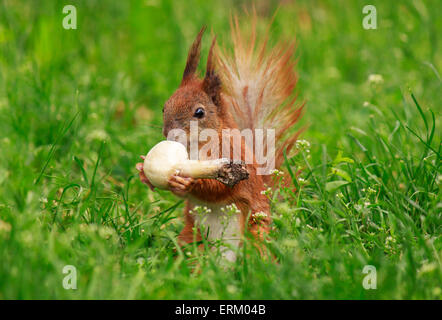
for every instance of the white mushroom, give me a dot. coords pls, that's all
(169, 158)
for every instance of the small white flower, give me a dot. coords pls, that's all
(277, 172)
(230, 209)
(231, 289)
(375, 79)
(303, 145)
(371, 190)
(390, 239)
(140, 262)
(267, 192)
(97, 134)
(200, 210)
(259, 216)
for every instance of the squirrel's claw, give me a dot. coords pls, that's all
(143, 178)
(181, 186)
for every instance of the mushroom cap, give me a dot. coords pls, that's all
(161, 161)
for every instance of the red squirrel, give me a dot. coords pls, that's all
(249, 89)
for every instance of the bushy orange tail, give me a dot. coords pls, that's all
(259, 83)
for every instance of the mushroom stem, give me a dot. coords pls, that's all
(200, 169)
(226, 171)
(169, 157)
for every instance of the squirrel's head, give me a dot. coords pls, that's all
(196, 99)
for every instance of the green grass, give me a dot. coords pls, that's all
(78, 107)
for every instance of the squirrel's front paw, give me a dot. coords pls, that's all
(143, 177)
(181, 186)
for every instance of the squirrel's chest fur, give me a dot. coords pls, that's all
(218, 222)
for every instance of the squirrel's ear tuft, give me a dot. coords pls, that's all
(193, 57)
(212, 82)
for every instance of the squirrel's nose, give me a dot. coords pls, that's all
(168, 126)
(174, 133)
(173, 128)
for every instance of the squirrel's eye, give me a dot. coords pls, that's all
(199, 113)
